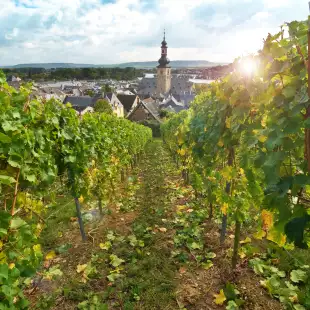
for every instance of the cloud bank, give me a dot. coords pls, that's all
(115, 31)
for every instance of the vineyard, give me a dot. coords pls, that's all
(95, 214)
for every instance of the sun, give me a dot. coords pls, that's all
(247, 66)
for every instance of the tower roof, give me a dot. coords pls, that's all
(164, 60)
(164, 43)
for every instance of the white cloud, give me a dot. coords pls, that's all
(277, 3)
(29, 45)
(14, 33)
(88, 31)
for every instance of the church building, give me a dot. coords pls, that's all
(169, 90)
(163, 71)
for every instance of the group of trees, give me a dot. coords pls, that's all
(75, 73)
(45, 144)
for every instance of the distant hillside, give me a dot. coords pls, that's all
(173, 64)
(50, 65)
(139, 65)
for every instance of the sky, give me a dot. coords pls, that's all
(117, 31)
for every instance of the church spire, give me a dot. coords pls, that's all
(164, 60)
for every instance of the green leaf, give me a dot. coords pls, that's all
(113, 276)
(14, 163)
(4, 271)
(230, 291)
(31, 178)
(232, 305)
(289, 92)
(9, 126)
(17, 223)
(298, 276)
(195, 246)
(116, 261)
(5, 179)
(5, 218)
(210, 255)
(4, 138)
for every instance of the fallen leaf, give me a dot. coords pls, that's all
(246, 240)
(260, 235)
(80, 268)
(163, 229)
(219, 298)
(207, 265)
(50, 255)
(182, 270)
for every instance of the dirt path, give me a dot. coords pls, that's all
(153, 250)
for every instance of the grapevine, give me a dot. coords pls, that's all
(41, 141)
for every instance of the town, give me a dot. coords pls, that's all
(143, 98)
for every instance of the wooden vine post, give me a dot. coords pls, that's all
(230, 162)
(77, 202)
(79, 216)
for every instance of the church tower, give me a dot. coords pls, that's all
(163, 70)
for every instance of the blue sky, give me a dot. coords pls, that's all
(115, 31)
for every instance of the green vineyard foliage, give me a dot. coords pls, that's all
(250, 132)
(41, 141)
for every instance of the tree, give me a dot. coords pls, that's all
(107, 89)
(103, 106)
(90, 93)
(165, 114)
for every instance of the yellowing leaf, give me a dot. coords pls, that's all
(227, 172)
(12, 265)
(263, 121)
(246, 240)
(81, 199)
(277, 237)
(211, 178)
(241, 171)
(262, 138)
(228, 122)
(50, 255)
(242, 254)
(182, 152)
(1, 244)
(105, 246)
(220, 298)
(207, 265)
(2, 257)
(80, 268)
(220, 143)
(267, 218)
(260, 235)
(180, 208)
(224, 208)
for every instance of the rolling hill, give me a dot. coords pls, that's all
(178, 64)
